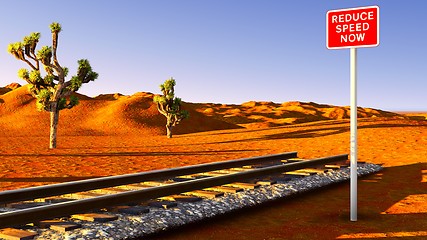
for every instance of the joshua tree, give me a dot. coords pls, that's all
(170, 106)
(50, 91)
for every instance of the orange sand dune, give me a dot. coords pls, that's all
(9, 88)
(415, 115)
(268, 114)
(109, 114)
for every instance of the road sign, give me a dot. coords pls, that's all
(352, 27)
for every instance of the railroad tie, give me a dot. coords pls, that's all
(309, 172)
(181, 198)
(224, 189)
(205, 194)
(65, 227)
(83, 195)
(191, 177)
(315, 170)
(187, 177)
(58, 225)
(18, 234)
(95, 217)
(210, 174)
(266, 182)
(298, 173)
(156, 183)
(234, 170)
(133, 186)
(335, 166)
(292, 160)
(243, 185)
(242, 169)
(111, 190)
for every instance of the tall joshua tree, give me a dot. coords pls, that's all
(170, 106)
(50, 91)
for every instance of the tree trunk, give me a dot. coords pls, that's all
(54, 117)
(169, 130)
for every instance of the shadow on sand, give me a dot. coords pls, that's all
(313, 133)
(127, 154)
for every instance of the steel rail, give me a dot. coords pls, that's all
(111, 181)
(18, 217)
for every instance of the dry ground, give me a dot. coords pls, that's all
(116, 134)
(391, 202)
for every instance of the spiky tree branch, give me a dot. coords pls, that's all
(170, 106)
(50, 91)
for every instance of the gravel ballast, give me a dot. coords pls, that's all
(157, 220)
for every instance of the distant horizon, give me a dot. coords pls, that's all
(197, 102)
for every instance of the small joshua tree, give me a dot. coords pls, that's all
(50, 91)
(170, 106)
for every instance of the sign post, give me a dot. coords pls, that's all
(353, 28)
(353, 134)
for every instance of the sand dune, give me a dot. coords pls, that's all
(111, 114)
(415, 115)
(267, 114)
(9, 88)
(108, 114)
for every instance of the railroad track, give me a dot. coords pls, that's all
(48, 206)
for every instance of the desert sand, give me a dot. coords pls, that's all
(114, 134)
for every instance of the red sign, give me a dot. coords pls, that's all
(353, 27)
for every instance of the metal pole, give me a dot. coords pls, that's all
(353, 134)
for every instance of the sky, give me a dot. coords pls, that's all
(228, 51)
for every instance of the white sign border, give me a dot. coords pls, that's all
(349, 9)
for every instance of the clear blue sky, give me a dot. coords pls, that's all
(228, 51)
